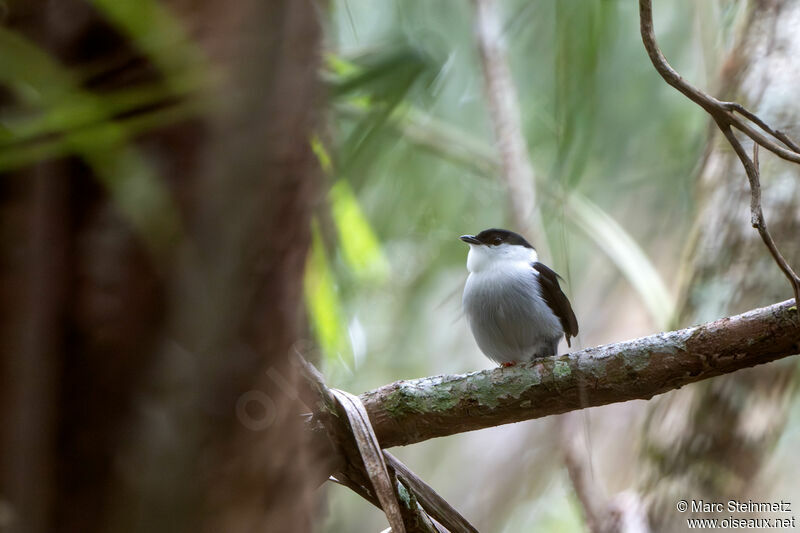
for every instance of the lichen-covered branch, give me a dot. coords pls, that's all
(411, 411)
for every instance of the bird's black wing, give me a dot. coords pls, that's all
(556, 300)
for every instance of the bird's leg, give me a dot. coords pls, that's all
(508, 364)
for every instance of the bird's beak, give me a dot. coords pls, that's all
(470, 239)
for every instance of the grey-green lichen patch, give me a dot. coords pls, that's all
(561, 369)
(635, 359)
(536, 374)
(489, 389)
(593, 366)
(405, 496)
(675, 341)
(420, 397)
(520, 382)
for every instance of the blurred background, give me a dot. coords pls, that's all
(191, 191)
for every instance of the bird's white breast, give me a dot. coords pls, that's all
(505, 310)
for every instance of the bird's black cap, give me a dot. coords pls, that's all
(495, 236)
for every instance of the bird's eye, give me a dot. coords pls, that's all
(497, 240)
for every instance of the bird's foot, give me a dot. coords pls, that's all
(508, 364)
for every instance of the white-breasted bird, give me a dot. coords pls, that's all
(514, 304)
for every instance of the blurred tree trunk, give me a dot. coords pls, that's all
(155, 394)
(710, 440)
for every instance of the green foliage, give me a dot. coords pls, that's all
(61, 105)
(363, 259)
(323, 304)
(161, 38)
(378, 81)
(584, 33)
(360, 247)
(58, 117)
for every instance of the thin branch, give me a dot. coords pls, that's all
(371, 454)
(723, 112)
(724, 115)
(417, 520)
(414, 515)
(785, 139)
(756, 214)
(358, 489)
(412, 411)
(436, 506)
